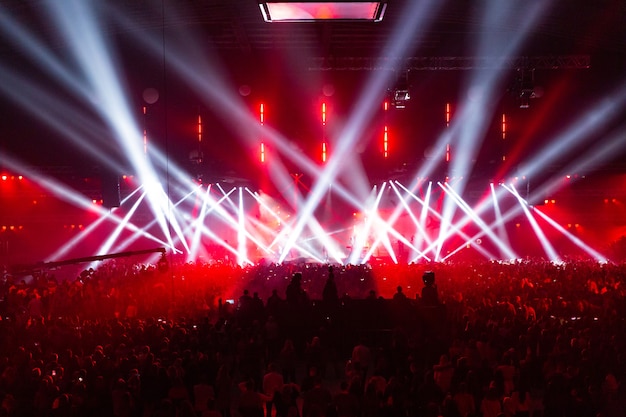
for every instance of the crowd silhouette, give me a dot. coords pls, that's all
(490, 339)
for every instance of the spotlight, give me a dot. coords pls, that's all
(400, 94)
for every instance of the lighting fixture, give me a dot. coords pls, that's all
(310, 11)
(400, 94)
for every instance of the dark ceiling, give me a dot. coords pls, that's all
(236, 26)
(573, 34)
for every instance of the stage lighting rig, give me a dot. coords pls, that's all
(311, 11)
(400, 94)
(525, 87)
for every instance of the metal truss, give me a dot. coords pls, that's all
(447, 63)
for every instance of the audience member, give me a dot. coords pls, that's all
(525, 338)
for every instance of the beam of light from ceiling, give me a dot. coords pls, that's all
(239, 224)
(151, 149)
(602, 151)
(574, 239)
(389, 226)
(423, 219)
(283, 179)
(591, 119)
(64, 193)
(403, 200)
(108, 243)
(195, 247)
(231, 107)
(531, 129)
(382, 232)
(241, 229)
(501, 229)
(181, 219)
(469, 242)
(507, 216)
(284, 224)
(284, 182)
(517, 210)
(71, 244)
(40, 54)
(278, 236)
(397, 212)
(359, 240)
(234, 223)
(480, 208)
(37, 51)
(548, 248)
(483, 88)
(306, 251)
(228, 200)
(478, 221)
(159, 204)
(444, 227)
(419, 226)
(104, 248)
(97, 62)
(132, 239)
(204, 74)
(288, 189)
(321, 235)
(67, 120)
(242, 252)
(206, 231)
(39, 102)
(454, 228)
(399, 42)
(70, 121)
(485, 85)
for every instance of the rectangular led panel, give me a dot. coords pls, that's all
(303, 11)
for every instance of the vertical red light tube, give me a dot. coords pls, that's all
(386, 132)
(199, 129)
(324, 144)
(503, 135)
(262, 120)
(145, 131)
